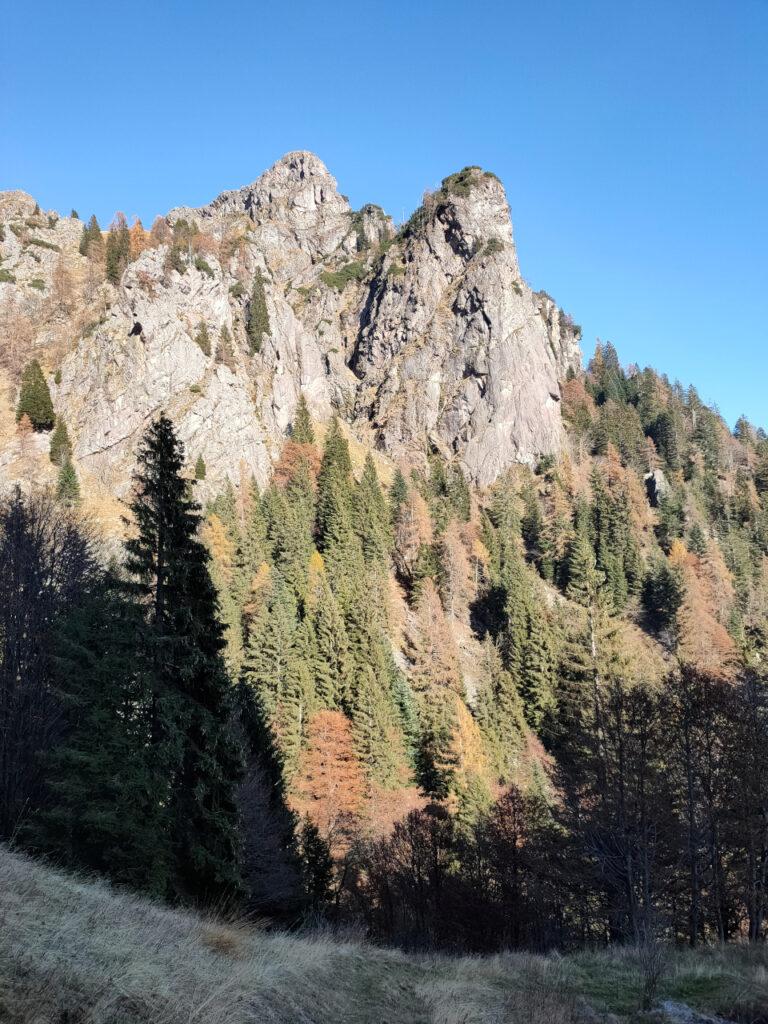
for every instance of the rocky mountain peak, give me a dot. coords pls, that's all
(425, 338)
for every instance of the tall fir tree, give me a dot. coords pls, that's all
(118, 249)
(190, 718)
(91, 240)
(257, 325)
(499, 712)
(372, 516)
(35, 398)
(334, 486)
(372, 721)
(398, 495)
(68, 487)
(61, 447)
(332, 666)
(302, 431)
(105, 813)
(537, 681)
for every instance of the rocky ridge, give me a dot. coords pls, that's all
(422, 339)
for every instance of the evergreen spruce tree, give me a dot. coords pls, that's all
(697, 542)
(290, 516)
(271, 651)
(437, 759)
(405, 704)
(458, 495)
(190, 729)
(499, 712)
(663, 593)
(252, 548)
(68, 488)
(334, 487)
(294, 711)
(200, 469)
(317, 866)
(224, 506)
(537, 682)
(107, 796)
(118, 249)
(583, 577)
(332, 665)
(532, 529)
(61, 448)
(91, 241)
(372, 723)
(372, 516)
(35, 398)
(398, 493)
(301, 430)
(517, 598)
(258, 316)
(203, 338)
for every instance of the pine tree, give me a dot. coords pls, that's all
(537, 681)
(398, 495)
(499, 712)
(203, 338)
(517, 597)
(332, 665)
(258, 315)
(91, 240)
(373, 724)
(534, 538)
(301, 431)
(35, 398)
(290, 516)
(372, 516)
(224, 506)
(200, 469)
(437, 683)
(334, 486)
(295, 708)
(663, 592)
(190, 724)
(583, 576)
(270, 646)
(317, 867)
(458, 494)
(105, 811)
(252, 548)
(61, 448)
(118, 249)
(68, 488)
(697, 543)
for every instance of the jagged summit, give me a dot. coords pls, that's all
(426, 338)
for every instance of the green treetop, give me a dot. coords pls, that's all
(35, 398)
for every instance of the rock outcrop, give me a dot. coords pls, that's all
(425, 339)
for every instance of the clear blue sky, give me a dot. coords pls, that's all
(632, 138)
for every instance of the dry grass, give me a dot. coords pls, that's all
(75, 952)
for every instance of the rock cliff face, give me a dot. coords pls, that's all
(424, 339)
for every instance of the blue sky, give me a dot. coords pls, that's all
(632, 138)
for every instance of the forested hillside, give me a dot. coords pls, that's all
(528, 714)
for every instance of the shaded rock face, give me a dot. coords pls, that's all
(428, 340)
(657, 487)
(453, 345)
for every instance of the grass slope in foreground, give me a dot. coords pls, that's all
(78, 952)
